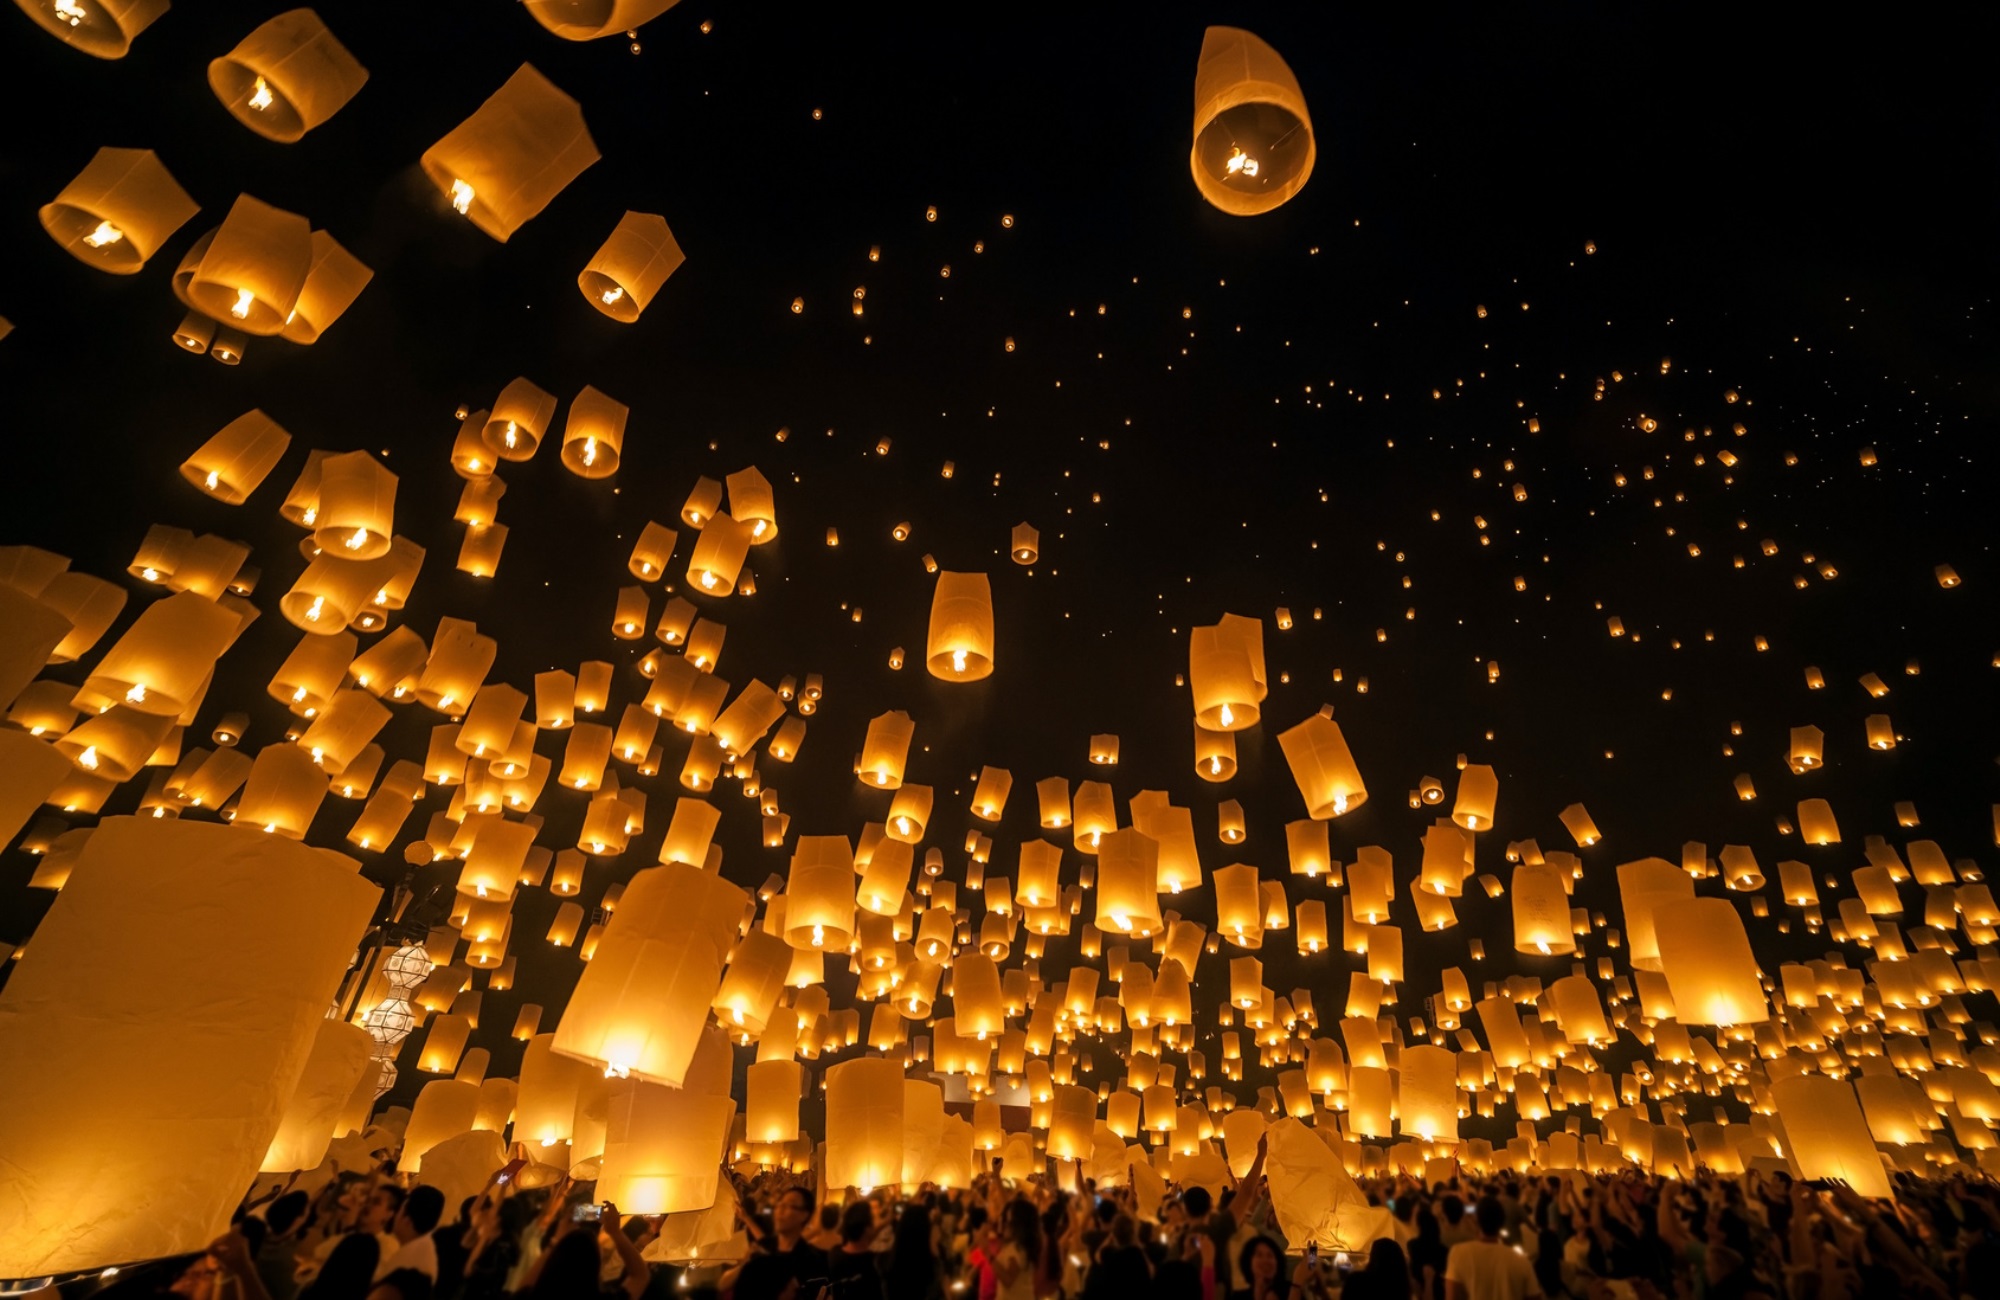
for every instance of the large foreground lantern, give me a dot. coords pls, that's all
(1705, 955)
(960, 645)
(286, 77)
(103, 1166)
(254, 268)
(663, 1147)
(1253, 141)
(340, 1053)
(1827, 1133)
(864, 1123)
(623, 275)
(503, 165)
(118, 210)
(104, 28)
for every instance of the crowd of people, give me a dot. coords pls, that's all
(1606, 1237)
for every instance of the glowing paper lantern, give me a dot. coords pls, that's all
(771, 1101)
(1705, 955)
(30, 770)
(624, 274)
(1253, 141)
(286, 77)
(118, 210)
(1226, 672)
(718, 556)
(1025, 543)
(1128, 869)
(594, 436)
(103, 28)
(960, 645)
(162, 662)
(639, 1006)
(885, 748)
(583, 20)
(503, 165)
(1643, 887)
(1478, 791)
(254, 268)
(230, 465)
(1826, 1134)
(820, 915)
(864, 1123)
(125, 1051)
(1816, 823)
(1541, 910)
(336, 279)
(1427, 1094)
(663, 1147)
(357, 506)
(1323, 768)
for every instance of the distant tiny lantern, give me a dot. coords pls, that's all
(623, 275)
(1026, 543)
(286, 77)
(119, 209)
(1253, 141)
(518, 150)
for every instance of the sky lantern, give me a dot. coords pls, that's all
(254, 268)
(885, 749)
(502, 166)
(118, 211)
(594, 437)
(864, 1123)
(357, 507)
(584, 20)
(286, 77)
(1643, 887)
(1323, 767)
(623, 275)
(334, 281)
(1705, 955)
(1478, 791)
(102, 28)
(959, 647)
(1025, 544)
(1226, 672)
(1253, 140)
(717, 561)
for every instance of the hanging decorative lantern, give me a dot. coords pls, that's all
(960, 645)
(503, 165)
(119, 209)
(624, 274)
(286, 77)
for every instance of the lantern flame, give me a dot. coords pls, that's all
(357, 541)
(241, 307)
(461, 199)
(958, 661)
(88, 758)
(508, 436)
(71, 12)
(590, 451)
(261, 97)
(1240, 163)
(319, 603)
(611, 295)
(214, 480)
(137, 695)
(106, 233)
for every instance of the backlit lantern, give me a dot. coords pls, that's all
(624, 274)
(864, 1123)
(163, 661)
(357, 506)
(752, 504)
(886, 879)
(1578, 823)
(282, 793)
(1706, 958)
(1827, 1135)
(118, 211)
(231, 464)
(1128, 869)
(1478, 790)
(771, 1101)
(594, 436)
(336, 279)
(639, 1006)
(664, 1147)
(1052, 802)
(102, 28)
(1096, 815)
(1808, 745)
(1578, 1012)
(1643, 887)
(820, 914)
(1229, 822)
(1427, 1093)
(1226, 673)
(286, 77)
(254, 268)
(444, 1109)
(885, 748)
(127, 1050)
(1214, 754)
(960, 644)
(1239, 905)
(1541, 910)
(586, 20)
(503, 165)
(340, 1053)
(1816, 823)
(718, 555)
(989, 796)
(1253, 141)
(1881, 733)
(1323, 767)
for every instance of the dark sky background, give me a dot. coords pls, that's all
(1202, 413)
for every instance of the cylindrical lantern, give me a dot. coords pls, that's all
(1128, 870)
(1253, 140)
(1025, 544)
(1226, 672)
(1052, 802)
(286, 77)
(594, 436)
(1827, 1134)
(335, 280)
(357, 506)
(1478, 791)
(752, 504)
(625, 273)
(230, 465)
(820, 916)
(1214, 754)
(718, 556)
(503, 165)
(119, 209)
(1643, 887)
(771, 1101)
(1541, 910)
(663, 1147)
(960, 645)
(885, 748)
(1427, 1093)
(102, 28)
(127, 1050)
(1323, 767)
(254, 269)
(594, 18)
(864, 1123)
(1705, 955)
